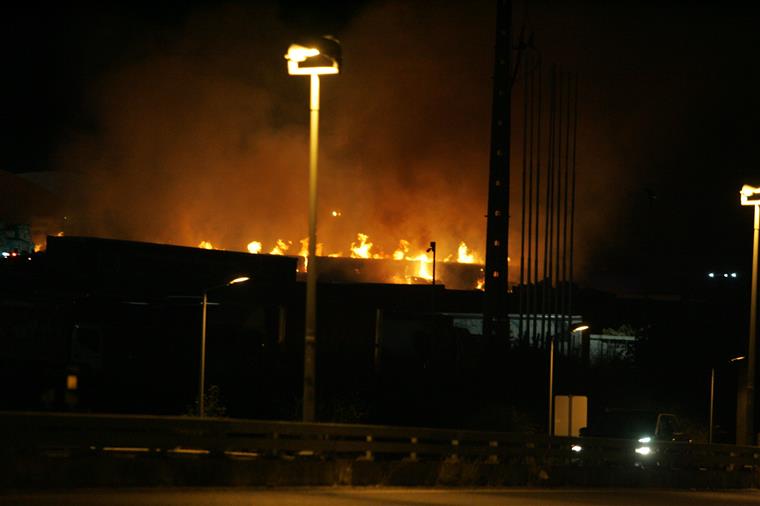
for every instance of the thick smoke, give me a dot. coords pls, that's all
(202, 135)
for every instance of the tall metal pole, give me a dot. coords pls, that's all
(745, 404)
(712, 405)
(310, 343)
(495, 312)
(550, 431)
(202, 381)
(752, 335)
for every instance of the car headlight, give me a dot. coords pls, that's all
(576, 448)
(643, 450)
(645, 439)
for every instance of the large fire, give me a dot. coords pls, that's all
(364, 248)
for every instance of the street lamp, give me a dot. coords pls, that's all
(312, 58)
(202, 381)
(750, 196)
(712, 397)
(578, 327)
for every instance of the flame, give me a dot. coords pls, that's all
(37, 248)
(417, 270)
(305, 252)
(362, 249)
(304, 249)
(254, 247)
(481, 284)
(403, 249)
(59, 234)
(280, 247)
(422, 268)
(464, 254)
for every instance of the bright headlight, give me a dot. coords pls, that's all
(643, 450)
(645, 439)
(576, 448)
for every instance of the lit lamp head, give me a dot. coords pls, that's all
(579, 327)
(750, 196)
(316, 56)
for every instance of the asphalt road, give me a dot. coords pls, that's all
(382, 496)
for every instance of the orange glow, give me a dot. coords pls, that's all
(362, 248)
(422, 267)
(37, 248)
(280, 247)
(415, 264)
(59, 234)
(403, 249)
(305, 252)
(465, 255)
(254, 247)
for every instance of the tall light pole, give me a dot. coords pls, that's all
(745, 421)
(202, 380)
(712, 397)
(578, 327)
(312, 58)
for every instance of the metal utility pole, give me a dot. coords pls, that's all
(317, 57)
(745, 411)
(310, 343)
(495, 311)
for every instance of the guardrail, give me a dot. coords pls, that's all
(54, 436)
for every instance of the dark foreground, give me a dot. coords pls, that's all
(341, 496)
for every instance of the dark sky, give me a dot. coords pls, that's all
(140, 101)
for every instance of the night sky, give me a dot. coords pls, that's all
(159, 110)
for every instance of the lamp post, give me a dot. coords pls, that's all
(712, 397)
(202, 380)
(578, 327)
(312, 58)
(432, 249)
(750, 196)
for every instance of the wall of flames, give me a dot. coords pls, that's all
(364, 248)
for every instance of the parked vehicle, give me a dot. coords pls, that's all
(644, 426)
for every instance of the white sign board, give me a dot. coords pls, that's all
(570, 414)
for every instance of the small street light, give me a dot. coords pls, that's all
(712, 396)
(432, 249)
(312, 58)
(202, 380)
(578, 327)
(750, 196)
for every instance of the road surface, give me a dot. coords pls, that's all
(338, 496)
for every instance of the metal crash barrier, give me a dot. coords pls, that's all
(534, 458)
